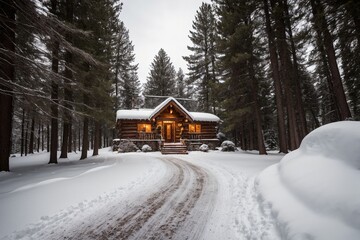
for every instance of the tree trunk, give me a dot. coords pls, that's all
(22, 132)
(96, 138)
(104, 137)
(70, 141)
(48, 138)
(297, 81)
(325, 68)
(68, 76)
(54, 95)
(7, 75)
(242, 137)
(65, 139)
(85, 141)
(285, 71)
(26, 137)
(321, 24)
(38, 137)
(42, 137)
(79, 136)
(277, 83)
(91, 139)
(31, 142)
(254, 85)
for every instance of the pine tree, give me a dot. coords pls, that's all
(346, 17)
(161, 79)
(7, 70)
(325, 38)
(127, 84)
(180, 84)
(274, 63)
(130, 90)
(68, 77)
(240, 61)
(202, 62)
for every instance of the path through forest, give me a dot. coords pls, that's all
(187, 199)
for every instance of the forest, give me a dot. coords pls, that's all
(272, 70)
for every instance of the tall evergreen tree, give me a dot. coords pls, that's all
(274, 64)
(127, 84)
(7, 75)
(322, 28)
(347, 30)
(202, 62)
(130, 90)
(161, 79)
(240, 61)
(54, 91)
(68, 77)
(180, 84)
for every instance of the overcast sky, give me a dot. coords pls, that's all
(155, 24)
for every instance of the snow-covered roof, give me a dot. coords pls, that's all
(147, 114)
(206, 117)
(138, 114)
(164, 103)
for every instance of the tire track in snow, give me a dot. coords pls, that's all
(253, 220)
(179, 209)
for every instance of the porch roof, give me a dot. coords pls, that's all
(147, 114)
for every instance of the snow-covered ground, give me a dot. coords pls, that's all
(312, 193)
(37, 199)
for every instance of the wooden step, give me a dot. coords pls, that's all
(174, 148)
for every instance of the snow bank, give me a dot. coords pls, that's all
(36, 194)
(314, 190)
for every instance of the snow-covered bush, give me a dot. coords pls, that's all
(270, 139)
(115, 146)
(221, 137)
(204, 148)
(228, 146)
(146, 148)
(127, 146)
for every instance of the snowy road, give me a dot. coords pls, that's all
(178, 209)
(195, 196)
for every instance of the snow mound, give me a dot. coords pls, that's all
(228, 146)
(204, 148)
(318, 183)
(340, 141)
(146, 148)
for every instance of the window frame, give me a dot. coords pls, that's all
(146, 126)
(194, 128)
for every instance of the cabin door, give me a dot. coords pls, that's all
(169, 132)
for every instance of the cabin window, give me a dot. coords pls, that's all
(144, 127)
(194, 128)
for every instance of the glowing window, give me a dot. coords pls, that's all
(194, 128)
(143, 127)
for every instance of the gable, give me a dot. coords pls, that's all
(172, 102)
(148, 114)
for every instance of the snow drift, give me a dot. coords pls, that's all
(314, 190)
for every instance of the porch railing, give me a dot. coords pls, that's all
(147, 135)
(194, 135)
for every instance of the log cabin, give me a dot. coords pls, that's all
(169, 123)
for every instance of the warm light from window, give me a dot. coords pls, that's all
(142, 127)
(194, 128)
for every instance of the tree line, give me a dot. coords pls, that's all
(273, 70)
(65, 67)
